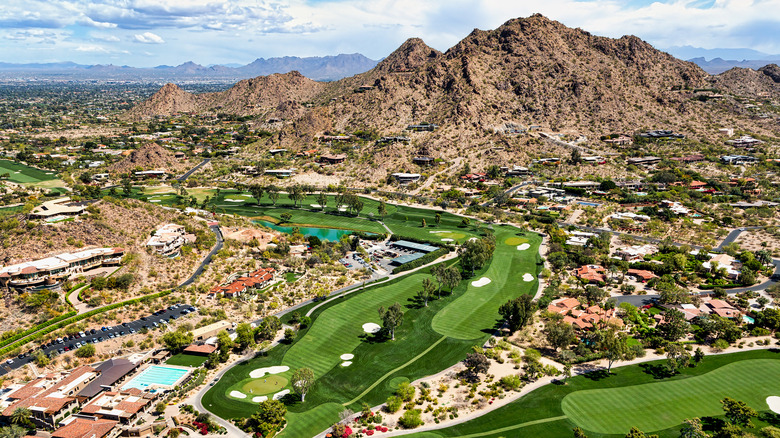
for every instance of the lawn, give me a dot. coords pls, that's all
(187, 360)
(609, 405)
(379, 365)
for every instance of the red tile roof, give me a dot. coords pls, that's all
(200, 349)
(85, 428)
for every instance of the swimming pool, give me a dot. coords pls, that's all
(589, 204)
(156, 376)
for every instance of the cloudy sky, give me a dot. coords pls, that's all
(152, 32)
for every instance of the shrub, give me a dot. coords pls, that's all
(393, 404)
(411, 419)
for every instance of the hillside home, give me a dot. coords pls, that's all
(516, 171)
(333, 158)
(641, 275)
(57, 207)
(394, 139)
(738, 159)
(730, 264)
(591, 273)
(695, 158)
(745, 141)
(54, 269)
(406, 178)
(150, 174)
(280, 173)
(424, 161)
(644, 161)
(636, 253)
(422, 127)
(168, 239)
(621, 140)
(253, 280)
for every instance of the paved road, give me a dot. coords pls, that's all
(105, 333)
(191, 171)
(733, 236)
(642, 300)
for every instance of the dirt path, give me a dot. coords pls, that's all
(428, 182)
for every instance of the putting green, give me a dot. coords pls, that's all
(661, 405)
(263, 386)
(514, 241)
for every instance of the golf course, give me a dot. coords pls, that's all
(352, 364)
(634, 396)
(30, 176)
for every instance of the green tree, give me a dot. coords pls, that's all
(245, 335)
(269, 418)
(676, 357)
(392, 317)
(615, 346)
(322, 200)
(411, 419)
(85, 351)
(674, 326)
(738, 412)
(41, 359)
(21, 416)
(405, 391)
(559, 334)
(127, 186)
(452, 277)
(423, 224)
(692, 429)
(159, 408)
(13, 431)
(518, 312)
(224, 344)
(257, 192)
(437, 218)
(425, 293)
(393, 404)
(286, 216)
(302, 381)
(476, 364)
(636, 433)
(177, 340)
(382, 210)
(579, 433)
(273, 195)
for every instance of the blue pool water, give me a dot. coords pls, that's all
(589, 204)
(329, 234)
(156, 375)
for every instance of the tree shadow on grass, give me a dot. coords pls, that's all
(657, 371)
(597, 375)
(375, 338)
(770, 417)
(712, 424)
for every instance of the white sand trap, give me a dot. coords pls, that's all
(346, 364)
(246, 196)
(523, 247)
(18, 171)
(774, 403)
(342, 208)
(437, 232)
(237, 394)
(234, 200)
(370, 327)
(528, 277)
(155, 200)
(316, 205)
(473, 239)
(447, 240)
(260, 372)
(281, 394)
(49, 173)
(259, 399)
(481, 282)
(347, 356)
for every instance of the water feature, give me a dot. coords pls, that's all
(329, 234)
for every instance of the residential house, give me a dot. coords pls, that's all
(200, 350)
(280, 173)
(333, 158)
(695, 158)
(424, 161)
(725, 261)
(253, 280)
(644, 161)
(583, 319)
(591, 273)
(723, 309)
(642, 275)
(54, 269)
(636, 253)
(738, 159)
(150, 174)
(406, 178)
(621, 140)
(745, 141)
(57, 207)
(168, 239)
(422, 127)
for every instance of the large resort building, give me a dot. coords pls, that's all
(55, 269)
(168, 240)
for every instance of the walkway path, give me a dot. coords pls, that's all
(428, 182)
(79, 305)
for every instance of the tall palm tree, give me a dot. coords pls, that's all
(21, 416)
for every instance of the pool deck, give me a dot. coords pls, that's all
(187, 372)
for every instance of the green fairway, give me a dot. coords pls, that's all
(656, 406)
(22, 174)
(608, 406)
(514, 240)
(187, 360)
(478, 305)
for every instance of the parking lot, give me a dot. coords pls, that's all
(58, 346)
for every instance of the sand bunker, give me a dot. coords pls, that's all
(260, 372)
(237, 394)
(234, 200)
(342, 208)
(347, 356)
(774, 403)
(528, 277)
(437, 232)
(523, 247)
(281, 394)
(481, 282)
(473, 239)
(447, 240)
(370, 327)
(346, 363)
(155, 200)
(259, 399)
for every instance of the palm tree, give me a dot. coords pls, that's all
(21, 416)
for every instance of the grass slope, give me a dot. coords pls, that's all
(22, 174)
(187, 360)
(542, 412)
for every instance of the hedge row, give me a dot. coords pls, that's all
(45, 324)
(424, 260)
(64, 323)
(722, 286)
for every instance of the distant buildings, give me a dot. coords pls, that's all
(424, 161)
(745, 141)
(429, 127)
(333, 158)
(516, 171)
(406, 178)
(738, 159)
(695, 158)
(280, 173)
(636, 252)
(253, 280)
(168, 240)
(644, 161)
(621, 140)
(660, 133)
(150, 174)
(591, 273)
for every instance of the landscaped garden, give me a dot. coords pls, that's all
(609, 405)
(353, 365)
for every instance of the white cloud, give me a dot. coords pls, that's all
(148, 38)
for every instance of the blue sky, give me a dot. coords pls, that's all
(152, 32)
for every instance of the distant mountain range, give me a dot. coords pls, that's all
(715, 61)
(325, 68)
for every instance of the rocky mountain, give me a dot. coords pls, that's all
(719, 65)
(746, 81)
(529, 71)
(148, 157)
(326, 68)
